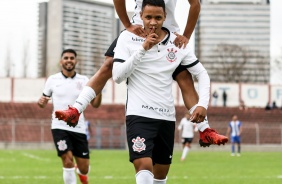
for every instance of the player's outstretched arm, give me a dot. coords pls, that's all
(194, 12)
(193, 15)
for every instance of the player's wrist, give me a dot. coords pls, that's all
(202, 105)
(127, 25)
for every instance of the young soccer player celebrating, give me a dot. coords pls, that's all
(184, 79)
(147, 65)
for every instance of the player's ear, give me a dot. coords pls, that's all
(61, 62)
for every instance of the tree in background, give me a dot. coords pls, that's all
(233, 63)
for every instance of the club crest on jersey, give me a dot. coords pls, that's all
(62, 145)
(171, 57)
(139, 144)
(79, 85)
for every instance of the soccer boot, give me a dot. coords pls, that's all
(70, 116)
(210, 136)
(83, 178)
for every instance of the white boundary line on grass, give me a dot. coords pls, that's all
(35, 157)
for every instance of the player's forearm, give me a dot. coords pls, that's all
(122, 70)
(204, 89)
(194, 11)
(120, 7)
(203, 82)
(41, 105)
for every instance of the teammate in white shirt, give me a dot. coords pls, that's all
(187, 127)
(181, 75)
(71, 142)
(235, 130)
(147, 66)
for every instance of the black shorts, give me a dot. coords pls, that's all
(152, 138)
(187, 140)
(66, 140)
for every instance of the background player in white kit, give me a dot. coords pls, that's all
(147, 66)
(187, 129)
(71, 142)
(181, 75)
(235, 130)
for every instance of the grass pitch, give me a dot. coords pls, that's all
(113, 167)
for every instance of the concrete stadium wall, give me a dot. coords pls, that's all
(253, 95)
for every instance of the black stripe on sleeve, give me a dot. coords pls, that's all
(119, 60)
(45, 95)
(192, 64)
(181, 68)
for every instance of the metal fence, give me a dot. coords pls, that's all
(112, 135)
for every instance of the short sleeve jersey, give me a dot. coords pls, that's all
(150, 84)
(187, 128)
(64, 91)
(170, 21)
(235, 127)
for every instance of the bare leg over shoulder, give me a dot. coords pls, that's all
(96, 83)
(94, 86)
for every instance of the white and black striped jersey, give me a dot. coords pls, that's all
(64, 91)
(235, 127)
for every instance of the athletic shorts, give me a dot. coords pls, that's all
(152, 138)
(66, 140)
(110, 52)
(186, 140)
(235, 139)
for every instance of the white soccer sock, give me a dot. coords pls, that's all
(203, 125)
(156, 181)
(84, 98)
(184, 152)
(144, 177)
(69, 175)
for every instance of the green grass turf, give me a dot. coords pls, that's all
(113, 167)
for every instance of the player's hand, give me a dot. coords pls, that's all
(180, 41)
(43, 101)
(151, 40)
(198, 114)
(137, 29)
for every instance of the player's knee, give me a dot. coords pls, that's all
(68, 163)
(84, 170)
(160, 171)
(160, 176)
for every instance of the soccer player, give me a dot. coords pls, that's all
(181, 75)
(71, 142)
(147, 65)
(187, 127)
(235, 130)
